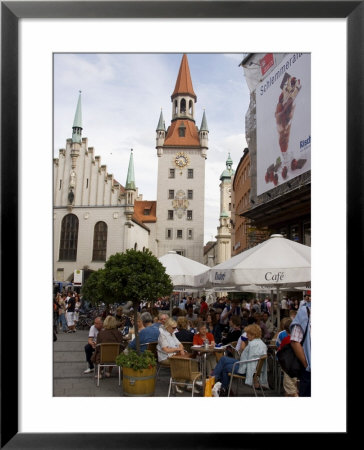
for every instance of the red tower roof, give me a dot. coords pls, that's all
(184, 82)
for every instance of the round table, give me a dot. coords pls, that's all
(204, 351)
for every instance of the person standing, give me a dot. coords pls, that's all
(70, 314)
(203, 306)
(301, 344)
(61, 313)
(91, 344)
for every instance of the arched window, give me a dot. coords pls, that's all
(135, 246)
(69, 237)
(190, 107)
(100, 241)
(183, 106)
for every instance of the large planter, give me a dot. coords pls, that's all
(139, 383)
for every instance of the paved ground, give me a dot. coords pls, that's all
(69, 381)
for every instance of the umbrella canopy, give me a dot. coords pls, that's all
(182, 270)
(275, 262)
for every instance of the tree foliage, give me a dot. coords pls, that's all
(134, 275)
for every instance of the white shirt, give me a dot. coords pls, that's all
(93, 333)
(166, 339)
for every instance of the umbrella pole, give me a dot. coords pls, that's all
(278, 309)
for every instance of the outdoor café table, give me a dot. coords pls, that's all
(204, 351)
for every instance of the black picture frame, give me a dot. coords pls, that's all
(11, 12)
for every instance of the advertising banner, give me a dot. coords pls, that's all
(283, 105)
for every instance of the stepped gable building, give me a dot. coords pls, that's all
(181, 150)
(94, 215)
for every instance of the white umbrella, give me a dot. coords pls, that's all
(182, 270)
(275, 263)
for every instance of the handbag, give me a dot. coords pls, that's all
(208, 386)
(289, 362)
(287, 357)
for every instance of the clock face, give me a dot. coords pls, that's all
(181, 160)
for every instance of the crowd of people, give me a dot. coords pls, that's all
(245, 328)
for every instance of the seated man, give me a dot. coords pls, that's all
(91, 345)
(147, 334)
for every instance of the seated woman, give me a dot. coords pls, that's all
(168, 344)
(108, 334)
(183, 334)
(199, 339)
(255, 349)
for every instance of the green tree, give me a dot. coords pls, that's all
(131, 276)
(91, 289)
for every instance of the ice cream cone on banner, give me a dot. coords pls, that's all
(290, 86)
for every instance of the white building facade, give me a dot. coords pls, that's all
(93, 214)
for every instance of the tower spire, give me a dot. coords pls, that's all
(204, 126)
(130, 179)
(77, 122)
(184, 81)
(161, 124)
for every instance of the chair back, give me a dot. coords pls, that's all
(109, 352)
(259, 367)
(152, 347)
(181, 368)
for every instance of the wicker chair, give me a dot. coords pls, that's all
(152, 347)
(256, 376)
(108, 353)
(183, 372)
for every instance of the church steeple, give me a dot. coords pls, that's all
(77, 123)
(183, 97)
(130, 179)
(130, 191)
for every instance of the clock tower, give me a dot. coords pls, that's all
(181, 151)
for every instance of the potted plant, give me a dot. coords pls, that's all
(139, 372)
(131, 276)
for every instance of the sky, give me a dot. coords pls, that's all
(122, 97)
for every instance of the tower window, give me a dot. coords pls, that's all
(171, 194)
(170, 214)
(171, 173)
(183, 106)
(182, 130)
(60, 184)
(190, 105)
(189, 214)
(190, 173)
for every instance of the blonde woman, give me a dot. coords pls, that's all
(255, 349)
(168, 344)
